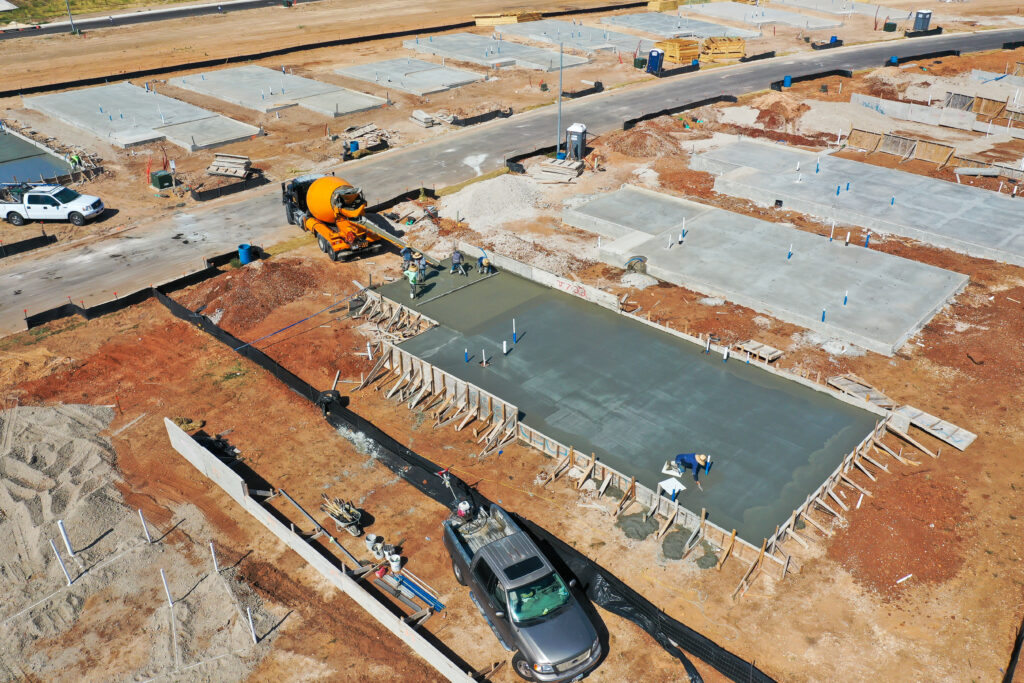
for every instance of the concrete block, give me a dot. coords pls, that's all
(268, 90)
(758, 15)
(959, 217)
(846, 7)
(129, 115)
(587, 39)
(411, 75)
(745, 260)
(676, 26)
(495, 54)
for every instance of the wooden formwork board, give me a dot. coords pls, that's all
(499, 18)
(464, 394)
(933, 152)
(983, 106)
(865, 140)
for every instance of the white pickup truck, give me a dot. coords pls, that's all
(24, 202)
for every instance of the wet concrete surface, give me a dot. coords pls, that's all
(635, 396)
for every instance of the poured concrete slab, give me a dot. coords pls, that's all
(959, 217)
(7, 6)
(267, 90)
(128, 115)
(847, 7)
(492, 53)
(674, 26)
(575, 36)
(636, 397)
(758, 15)
(411, 75)
(745, 260)
(1009, 80)
(21, 160)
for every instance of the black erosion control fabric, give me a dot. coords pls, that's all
(601, 586)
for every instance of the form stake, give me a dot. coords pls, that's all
(64, 535)
(61, 562)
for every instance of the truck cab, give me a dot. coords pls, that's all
(24, 202)
(529, 607)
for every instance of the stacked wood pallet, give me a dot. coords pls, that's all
(662, 5)
(723, 49)
(498, 18)
(557, 170)
(679, 50)
(230, 165)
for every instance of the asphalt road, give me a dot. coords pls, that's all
(150, 253)
(143, 17)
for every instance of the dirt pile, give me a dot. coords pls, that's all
(243, 298)
(778, 111)
(646, 139)
(493, 203)
(29, 364)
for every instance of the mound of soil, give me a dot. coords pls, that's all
(647, 139)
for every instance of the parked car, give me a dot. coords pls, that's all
(529, 607)
(24, 202)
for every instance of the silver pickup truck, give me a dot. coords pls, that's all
(527, 604)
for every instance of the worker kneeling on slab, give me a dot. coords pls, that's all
(697, 461)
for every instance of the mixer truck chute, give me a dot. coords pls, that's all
(335, 212)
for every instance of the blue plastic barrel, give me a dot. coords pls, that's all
(353, 146)
(560, 156)
(894, 60)
(787, 81)
(694, 62)
(834, 39)
(245, 254)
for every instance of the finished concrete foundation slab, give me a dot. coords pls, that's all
(848, 7)
(967, 219)
(411, 75)
(129, 115)
(267, 90)
(491, 52)
(866, 297)
(676, 26)
(759, 15)
(593, 379)
(587, 39)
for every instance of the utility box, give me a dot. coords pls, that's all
(922, 20)
(161, 180)
(576, 141)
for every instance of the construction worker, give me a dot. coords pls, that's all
(697, 461)
(484, 267)
(406, 257)
(458, 266)
(421, 262)
(413, 274)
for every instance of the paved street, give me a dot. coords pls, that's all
(165, 248)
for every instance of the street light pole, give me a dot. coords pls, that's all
(67, 3)
(558, 128)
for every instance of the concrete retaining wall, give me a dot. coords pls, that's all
(207, 463)
(577, 289)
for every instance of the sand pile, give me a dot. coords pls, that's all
(112, 623)
(492, 203)
(778, 111)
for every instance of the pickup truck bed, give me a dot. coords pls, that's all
(483, 529)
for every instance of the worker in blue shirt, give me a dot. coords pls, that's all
(484, 267)
(697, 461)
(406, 257)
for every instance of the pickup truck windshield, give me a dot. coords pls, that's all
(66, 195)
(538, 599)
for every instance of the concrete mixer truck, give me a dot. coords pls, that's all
(335, 212)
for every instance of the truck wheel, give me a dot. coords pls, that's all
(522, 667)
(76, 218)
(288, 216)
(324, 247)
(15, 218)
(458, 574)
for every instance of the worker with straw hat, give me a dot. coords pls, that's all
(697, 461)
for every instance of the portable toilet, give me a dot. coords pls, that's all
(922, 19)
(576, 141)
(654, 61)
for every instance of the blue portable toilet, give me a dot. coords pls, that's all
(654, 61)
(353, 146)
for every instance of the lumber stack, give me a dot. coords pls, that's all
(662, 5)
(498, 18)
(557, 170)
(679, 50)
(723, 49)
(230, 165)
